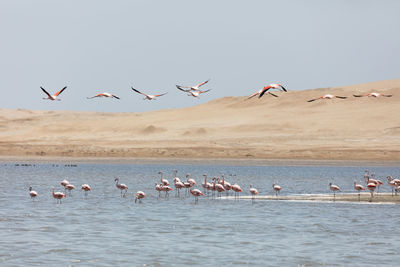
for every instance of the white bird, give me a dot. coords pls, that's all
(374, 94)
(194, 93)
(148, 97)
(328, 96)
(52, 97)
(192, 88)
(32, 193)
(104, 95)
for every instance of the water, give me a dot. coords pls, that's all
(107, 230)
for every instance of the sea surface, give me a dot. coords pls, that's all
(105, 229)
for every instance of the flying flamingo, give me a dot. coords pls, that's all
(163, 181)
(374, 94)
(69, 187)
(261, 92)
(194, 93)
(104, 95)
(253, 192)
(32, 193)
(196, 193)
(334, 188)
(52, 97)
(148, 97)
(358, 188)
(140, 195)
(192, 88)
(276, 188)
(328, 96)
(58, 196)
(121, 187)
(86, 188)
(237, 189)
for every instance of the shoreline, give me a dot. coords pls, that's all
(200, 161)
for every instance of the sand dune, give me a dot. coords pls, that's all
(287, 127)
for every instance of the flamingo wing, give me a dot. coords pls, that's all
(358, 95)
(161, 94)
(137, 91)
(341, 97)
(387, 95)
(202, 83)
(45, 91)
(181, 88)
(98, 95)
(311, 100)
(283, 88)
(264, 90)
(205, 91)
(252, 95)
(115, 96)
(59, 92)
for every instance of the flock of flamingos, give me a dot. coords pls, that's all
(195, 91)
(216, 187)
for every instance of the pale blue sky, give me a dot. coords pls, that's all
(107, 46)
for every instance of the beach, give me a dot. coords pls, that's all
(283, 128)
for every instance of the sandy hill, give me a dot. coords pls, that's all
(287, 127)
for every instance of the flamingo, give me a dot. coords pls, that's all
(237, 189)
(104, 95)
(86, 188)
(140, 195)
(58, 196)
(276, 188)
(178, 185)
(261, 92)
(32, 193)
(166, 189)
(194, 93)
(64, 182)
(158, 188)
(121, 187)
(204, 183)
(334, 188)
(220, 188)
(226, 185)
(328, 96)
(371, 186)
(393, 183)
(52, 97)
(69, 187)
(148, 97)
(192, 88)
(163, 181)
(196, 193)
(191, 181)
(374, 94)
(253, 192)
(358, 188)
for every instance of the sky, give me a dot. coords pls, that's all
(95, 46)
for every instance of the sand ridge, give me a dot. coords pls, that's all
(287, 127)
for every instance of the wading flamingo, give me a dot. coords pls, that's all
(163, 181)
(69, 187)
(58, 196)
(374, 94)
(358, 188)
(158, 188)
(166, 189)
(277, 189)
(32, 193)
(140, 195)
(52, 97)
(64, 182)
(192, 88)
(237, 189)
(191, 181)
(86, 188)
(334, 188)
(104, 95)
(122, 187)
(328, 96)
(196, 193)
(253, 192)
(219, 188)
(178, 186)
(371, 186)
(148, 97)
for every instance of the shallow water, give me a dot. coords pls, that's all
(104, 229)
